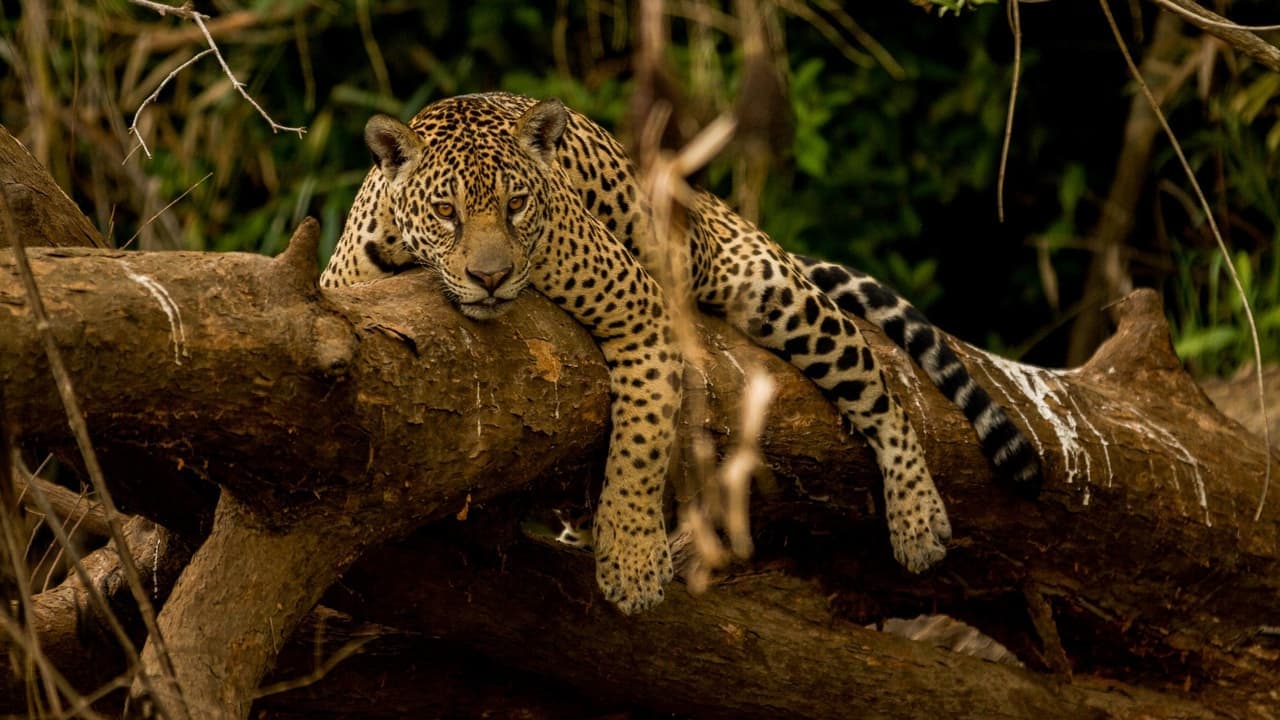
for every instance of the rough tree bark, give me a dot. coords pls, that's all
(338, 422)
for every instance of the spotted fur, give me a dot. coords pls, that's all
(735, 270)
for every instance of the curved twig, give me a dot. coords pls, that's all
(1217, 236)
(1015, 22)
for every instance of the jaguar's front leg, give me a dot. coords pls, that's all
(632, 558)
(605, 289)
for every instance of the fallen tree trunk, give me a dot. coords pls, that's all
(762, 644)
(340, 421)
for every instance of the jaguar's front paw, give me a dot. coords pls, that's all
(918, 526)
(633, 562)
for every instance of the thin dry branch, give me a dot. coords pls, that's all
(74, 633)
(87, 514)
(133, 126)
(1205, 19)
(239, 86)
(1015, 23)
(1217, 236)
(26, 641)
(95, 594)
(745, 460)
(164, 209)
(22, 635)
(875, 51)
(74, 509)
(350, 648)
(187, 12)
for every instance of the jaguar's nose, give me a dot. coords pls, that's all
(490, 280)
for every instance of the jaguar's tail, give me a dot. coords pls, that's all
(1012, 455)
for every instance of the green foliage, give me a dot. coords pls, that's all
(1237, 156)
(873, 156)
(1211, 330)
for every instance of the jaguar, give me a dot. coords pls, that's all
(498, 192)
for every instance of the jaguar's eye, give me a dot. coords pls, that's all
(517, 203)
(443, 209)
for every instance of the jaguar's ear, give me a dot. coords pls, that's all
(541, 127)
(396, 148)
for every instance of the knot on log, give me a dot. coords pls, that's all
(334, 345)
(296, 266)
(1140, 353)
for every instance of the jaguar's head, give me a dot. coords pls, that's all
(470, 193)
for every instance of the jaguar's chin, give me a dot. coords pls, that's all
(486, 309)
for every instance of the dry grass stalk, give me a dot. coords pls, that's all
(81, 432)
(716, 500)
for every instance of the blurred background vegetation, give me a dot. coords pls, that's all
(896, 117)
